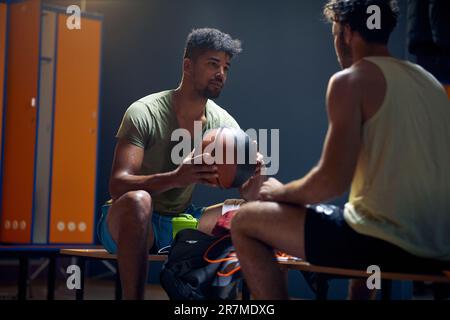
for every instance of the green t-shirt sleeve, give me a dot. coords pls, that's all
(136, 126)
(228, 121)
(221, 117)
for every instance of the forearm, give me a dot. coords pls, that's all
(317, 186)
(153, 184)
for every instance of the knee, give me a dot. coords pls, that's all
(245, 217)
(140, 204)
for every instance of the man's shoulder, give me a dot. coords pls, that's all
(344, 80)
(345, 92)
(358, 78)
(155, 105)
(156, 100)
(215, 109)
(218, 116)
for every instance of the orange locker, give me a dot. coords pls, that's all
(20, 121)
(75, 129)
(3, 22)
(50, 136)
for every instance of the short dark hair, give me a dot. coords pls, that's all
(354, 13)
(204, 39)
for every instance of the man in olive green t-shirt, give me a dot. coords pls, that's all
(146, 186)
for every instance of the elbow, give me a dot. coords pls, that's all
(114, 188)
(336, 185)
(341, 190)
(339, 185)
(336, 179)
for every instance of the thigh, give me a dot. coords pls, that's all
(208, 218)
(280, 226)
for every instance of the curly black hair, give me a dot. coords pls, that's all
(354, 13)
(203, 39)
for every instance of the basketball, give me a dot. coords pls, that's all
(234, 154)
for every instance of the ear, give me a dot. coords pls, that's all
(188, 66)
(348, 34)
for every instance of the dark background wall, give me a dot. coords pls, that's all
(279, 81)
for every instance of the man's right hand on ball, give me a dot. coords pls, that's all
(188, 172)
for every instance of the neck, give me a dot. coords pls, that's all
(365, 50)
(187, 102)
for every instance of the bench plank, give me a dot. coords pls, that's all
(289, 264)
(305, 266)
(103, 254)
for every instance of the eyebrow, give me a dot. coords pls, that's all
(218, 60)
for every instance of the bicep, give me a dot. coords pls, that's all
(343, 140)
(127, 159)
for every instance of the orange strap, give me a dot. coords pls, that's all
(231, 256)
(205, 256)
(233, 271)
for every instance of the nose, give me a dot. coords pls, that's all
(221, 73)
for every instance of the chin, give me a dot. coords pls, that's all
(210, 94)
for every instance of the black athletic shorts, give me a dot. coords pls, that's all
(330, 241)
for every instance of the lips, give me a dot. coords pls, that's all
(216, 84)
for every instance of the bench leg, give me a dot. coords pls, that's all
(322, 288)
(51, 278)
(81, 262)
(118, 287)
(441, 291)
(23, 277)
(245, 291)
(386, 289)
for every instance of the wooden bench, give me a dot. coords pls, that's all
(102, 254)
(387, 277)
(327, 273)
(82, 255)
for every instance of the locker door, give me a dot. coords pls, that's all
(2, 65)
(20, 126)
(75, 132)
